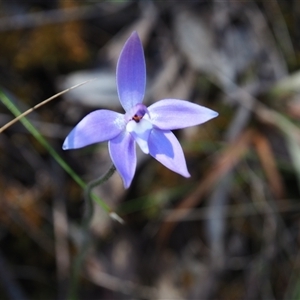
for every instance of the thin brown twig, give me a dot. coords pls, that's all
(231, 211)
(41, 104)
(268, 161)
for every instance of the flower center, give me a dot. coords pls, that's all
(137, 113)
(137, 118)
(138, 126)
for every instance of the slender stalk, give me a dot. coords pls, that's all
(87, 218)
(28, 125)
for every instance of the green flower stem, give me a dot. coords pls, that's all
(89, 196)
(28, 125)
(89, 210)
(87, 218)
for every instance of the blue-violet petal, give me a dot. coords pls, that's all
(131, 73)
(122, 153)
(169, 114)
(98, 126)
(164, 147)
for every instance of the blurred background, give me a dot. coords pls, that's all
(231, 231)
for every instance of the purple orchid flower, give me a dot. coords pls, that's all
(149, 127)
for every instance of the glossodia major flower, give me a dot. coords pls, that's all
(149, 127)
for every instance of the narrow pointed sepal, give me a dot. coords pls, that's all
(164, 147)
(170, 114)
(98, 126)
(122, 153)
(131, 73)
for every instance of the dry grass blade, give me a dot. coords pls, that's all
(280, 28)
(291, 133)
(224, 163)
(232, 211)
(27, 112)
(268, 162)
(294, 150)
(98, 277)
